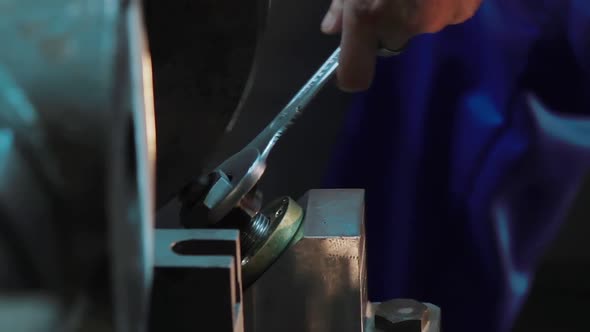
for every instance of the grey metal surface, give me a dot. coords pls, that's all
(318, 284)
(59, 52)
(31, 313)
(77, 122)
(197, 283)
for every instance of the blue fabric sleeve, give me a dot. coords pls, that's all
(578, 32)
(471, 146)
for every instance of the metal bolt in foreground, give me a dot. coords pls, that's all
(401, 315)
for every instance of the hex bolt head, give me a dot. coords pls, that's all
(401, 315)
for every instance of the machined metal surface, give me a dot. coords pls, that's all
(318, 283)
(197, 284)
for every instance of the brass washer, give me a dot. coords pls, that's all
(285, 220)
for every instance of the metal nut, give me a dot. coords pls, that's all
(401, 315)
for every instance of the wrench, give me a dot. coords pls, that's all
(242, 171)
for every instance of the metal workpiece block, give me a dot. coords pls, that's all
(197, 284)
(318, 283)
(175, 247)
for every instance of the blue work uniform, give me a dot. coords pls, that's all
(471, 146)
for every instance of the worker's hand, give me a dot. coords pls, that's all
(367, 24)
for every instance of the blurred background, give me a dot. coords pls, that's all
(292, 50)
